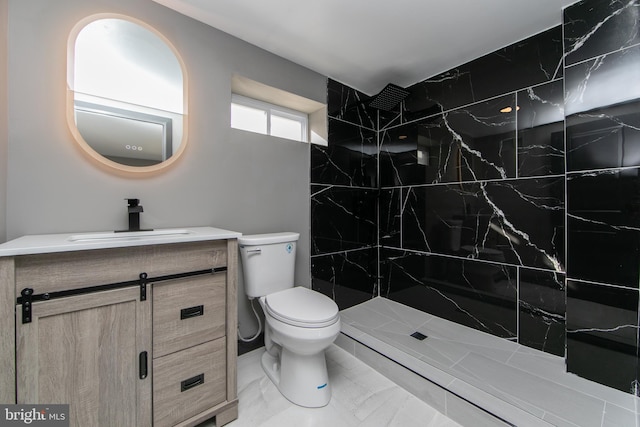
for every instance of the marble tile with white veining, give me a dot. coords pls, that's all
(607, 80)
(468, 144)
(389, 218)
(342, 218)
(477, 294)
(596, 27)
(349, 159)
(519, 222)
(348, 278)
(541, 310)
(602, 334)
(529, 62)
(350, 105)
(604, 138)
(540, 118)
(603, 226)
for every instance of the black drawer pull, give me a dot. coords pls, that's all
(142, 358)
(196, 311)
(191, 382)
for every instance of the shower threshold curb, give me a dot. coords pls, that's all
(469, 375)
(504, 412)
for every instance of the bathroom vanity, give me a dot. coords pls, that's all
(129, 329)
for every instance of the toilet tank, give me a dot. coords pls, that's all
(268, 262)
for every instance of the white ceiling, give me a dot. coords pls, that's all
(366, 44)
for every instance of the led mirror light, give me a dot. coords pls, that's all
(126, 88)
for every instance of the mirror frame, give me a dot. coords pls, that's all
(86, 148)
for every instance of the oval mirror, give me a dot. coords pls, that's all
(126, 102)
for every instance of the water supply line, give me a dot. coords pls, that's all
(253, 338)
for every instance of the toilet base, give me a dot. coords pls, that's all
(302, 379)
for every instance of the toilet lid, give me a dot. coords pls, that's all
(300, 306)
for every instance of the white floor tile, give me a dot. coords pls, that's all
(360, 397)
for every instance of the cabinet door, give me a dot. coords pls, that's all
(84, 351)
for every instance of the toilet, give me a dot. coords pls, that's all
(300, 324)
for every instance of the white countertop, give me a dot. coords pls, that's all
(67, 242)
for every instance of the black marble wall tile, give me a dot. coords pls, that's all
(603, 226)
(440, 93)
(342, 218)
(391, 118)
(532, 61)
(389, 219)
(542, 309)
(540, 119)
(350, 105)
(349, 159)
(399, 147)
(602, 103)
(595, 27)
(604, 138)
(607, 80)
(602, 334)
(348, 277)
(467, 144)
(398, 156)
(529, 62)
(478, 294)
(442, 218)
(486, 134)
(516, 221)
(471, 213)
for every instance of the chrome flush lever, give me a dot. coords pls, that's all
(254, 251)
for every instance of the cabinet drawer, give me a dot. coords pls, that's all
(188, 382)
(188, 312)
(74, 270)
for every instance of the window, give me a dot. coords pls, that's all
(262, 117)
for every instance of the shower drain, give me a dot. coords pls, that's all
(417, 335)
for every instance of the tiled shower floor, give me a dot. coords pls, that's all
(503, 377)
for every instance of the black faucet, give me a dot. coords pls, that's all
(134, 210)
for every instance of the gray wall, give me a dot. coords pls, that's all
(226, 178)
(3, 120)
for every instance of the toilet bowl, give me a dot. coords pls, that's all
(296, 341)
(300, 323)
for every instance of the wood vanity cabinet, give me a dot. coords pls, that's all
(127, 336)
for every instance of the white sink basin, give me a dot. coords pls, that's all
(63, 242)
(127, 235)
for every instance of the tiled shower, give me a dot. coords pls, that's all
(503, 194)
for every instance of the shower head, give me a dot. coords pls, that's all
(388, 97)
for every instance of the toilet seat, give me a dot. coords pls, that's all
(302, 307)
